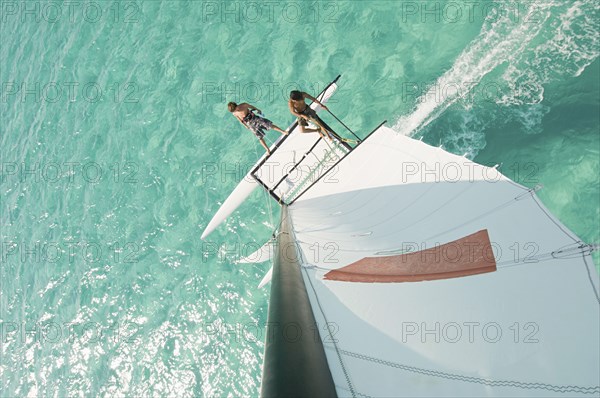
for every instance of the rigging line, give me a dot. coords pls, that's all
(342, 250)
(550, 217)
(277, 231)
(389, 219)
(471, 379)
(583, 249)
(316, 267)
(482, 215)
(524, 188)
(268, 199)
(270, 210)
(342, 123)
(587, 267)
(556, 255)
(349, 141)
(265, 194)
(345, 389)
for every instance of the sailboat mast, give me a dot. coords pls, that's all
(295, 364)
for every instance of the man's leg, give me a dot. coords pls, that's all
(264, 144)
(302, 123)
(305, 130)
(274, 127)
(322, 130)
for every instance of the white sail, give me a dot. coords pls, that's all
(260, 255)
(441, 277)
(266, 279)
(431, 275)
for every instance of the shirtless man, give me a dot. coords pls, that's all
(256, 124)
(305, 113)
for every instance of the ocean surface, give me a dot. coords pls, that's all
(117, 149)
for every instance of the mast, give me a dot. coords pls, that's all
(295, 364)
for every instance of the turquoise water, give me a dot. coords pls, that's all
(117, 149)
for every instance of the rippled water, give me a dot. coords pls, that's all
(117, 149)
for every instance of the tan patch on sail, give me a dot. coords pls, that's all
(466, 256)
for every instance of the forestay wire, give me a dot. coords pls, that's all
(265, 194)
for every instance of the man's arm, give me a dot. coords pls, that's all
(310, 97)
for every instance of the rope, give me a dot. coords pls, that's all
(267, 198)
(342, 123)
(472, 379)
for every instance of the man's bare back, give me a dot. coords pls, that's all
(243, 113)
(242, 110)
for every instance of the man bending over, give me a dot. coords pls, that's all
(244, 113)
(304, 113)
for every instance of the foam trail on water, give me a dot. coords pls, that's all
(569, 46)
(499, 41)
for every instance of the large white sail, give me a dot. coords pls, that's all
(427, 275)
(440, 277)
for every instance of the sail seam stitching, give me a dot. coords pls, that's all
(470, 379)
(356, 392)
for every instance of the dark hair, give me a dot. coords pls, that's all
(231, 106)
(296, 95)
